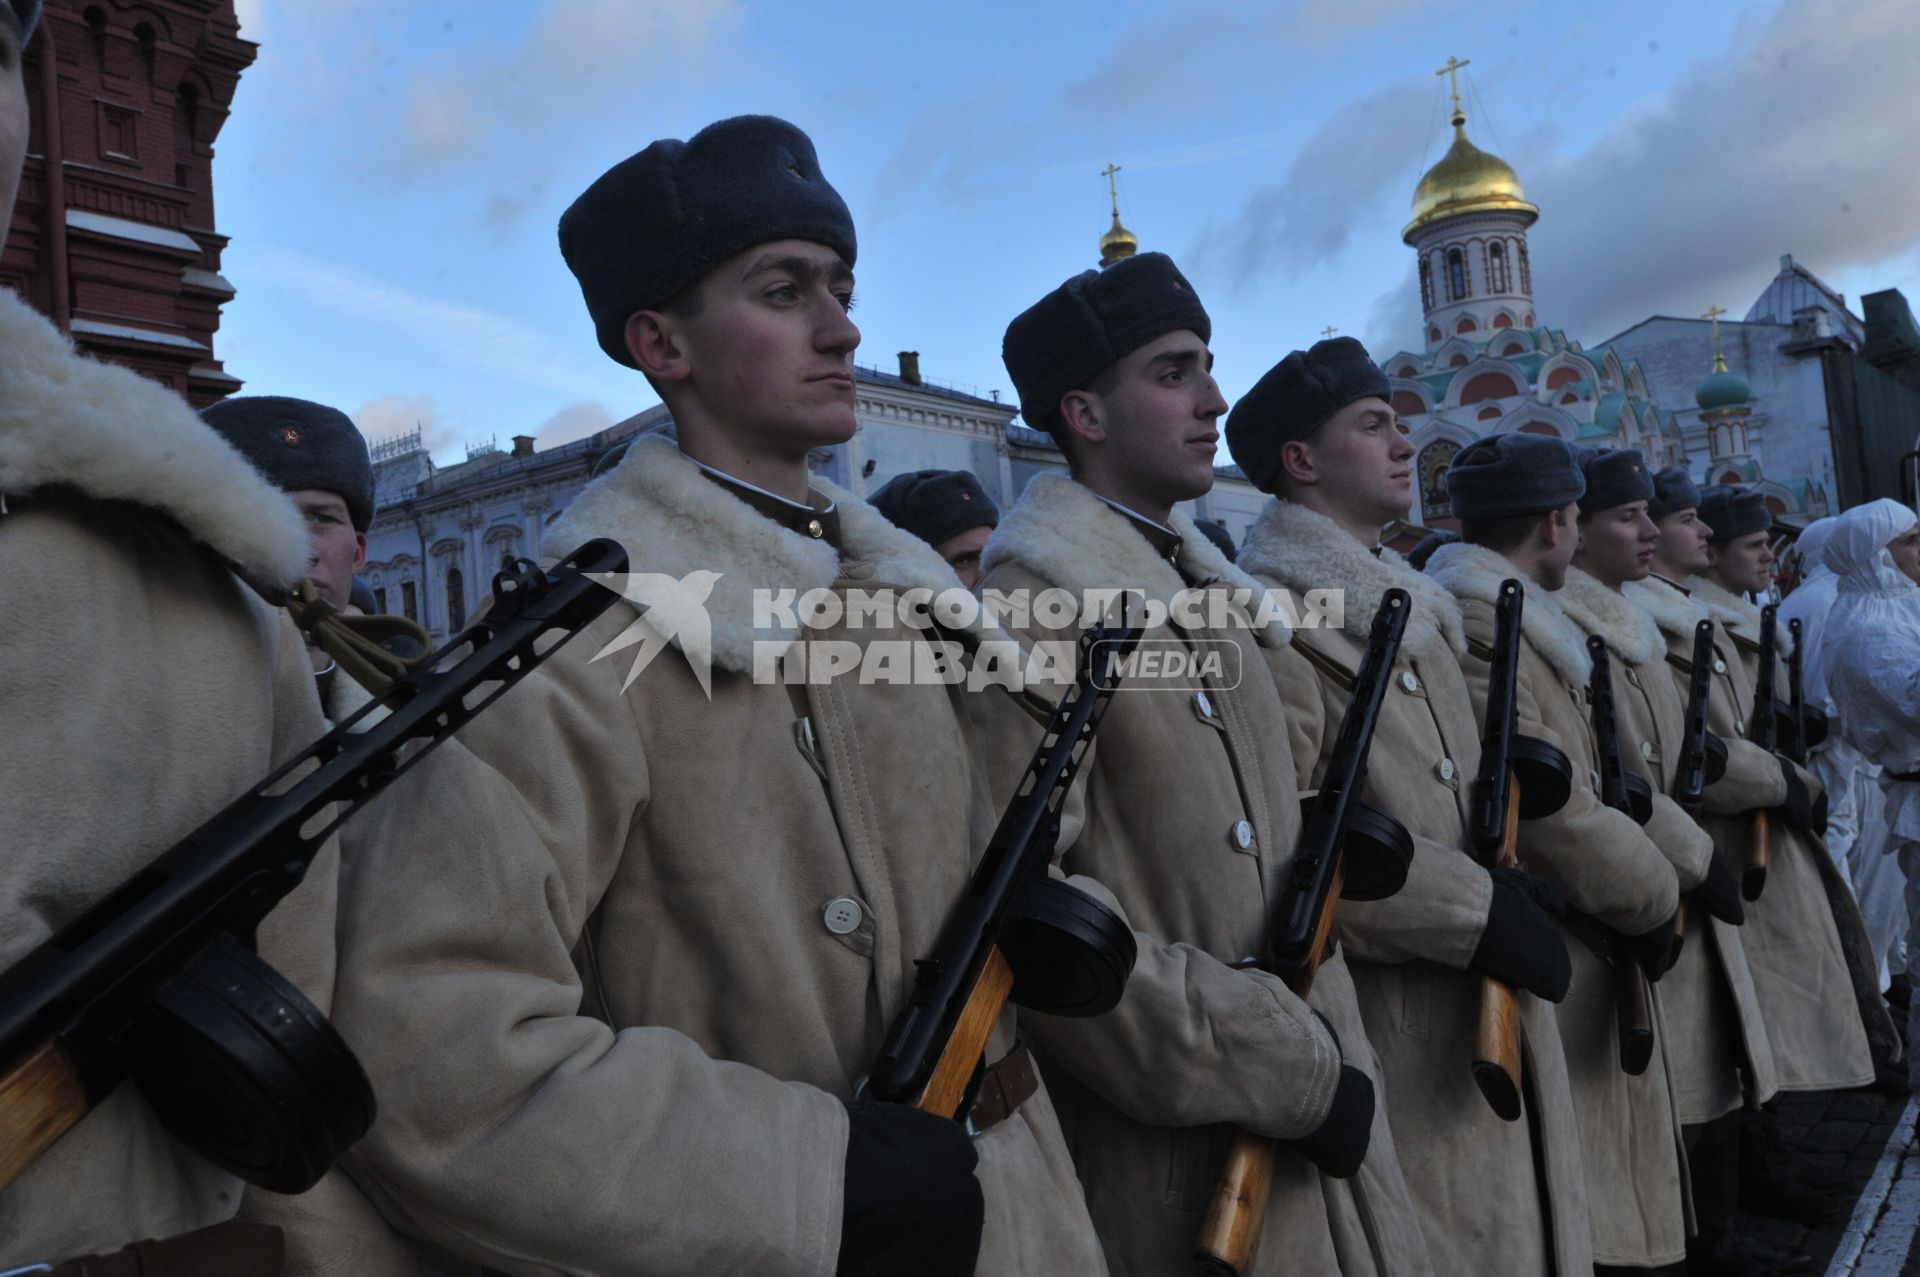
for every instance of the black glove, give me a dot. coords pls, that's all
(912, 1203)
(1340, 1144)
(1799, 807)
(1522, 945)
(1657, 950)
(1719, 895)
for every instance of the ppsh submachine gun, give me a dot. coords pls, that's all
(1348, 850)
(1804, 727)
(1762, 730)
(1520, 778)
(1629, 792)
(1703, 756)
(158, 981)
(1016, 934)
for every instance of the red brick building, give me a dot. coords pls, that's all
(113, 235)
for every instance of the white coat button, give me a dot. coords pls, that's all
(1408, 681)
(1242, 834)
(842, 915)
(1445, 769)
(1719, 666)
(1646, 750)
(1201, 703)
(1740, 729)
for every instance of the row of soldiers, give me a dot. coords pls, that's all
(617, 1025)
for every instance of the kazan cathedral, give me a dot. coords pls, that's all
(1488, 366)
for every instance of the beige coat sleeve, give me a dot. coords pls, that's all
(1752, 781)
(1440, 913)
(1687, 847)
(1599, 859)
(515, 1128)
(1194, 1041)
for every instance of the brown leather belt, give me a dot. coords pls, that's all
(232, 1249)
(1004, 1087)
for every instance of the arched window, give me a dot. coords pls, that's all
(380, 599)
(1435, 503)
(409, 601)
(1433, 333)
(1426, 285)
(456, 600)
(1497, 267)
(1503, 320)
(1456, 275)
(1488, 385)
(1561, 376)
(1458, 361)
(1466, 324)
(1539, 428)
(1526, 277)
(1407, 404)
(1490, 413)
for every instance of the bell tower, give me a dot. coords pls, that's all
(1469, 230)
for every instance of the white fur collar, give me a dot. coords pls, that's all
(70, 421)
(675, 520)
(1475, 572)
(1077, 542)
(1631, 634)
(1304, 550)
(1734, 614)
(1672, 607)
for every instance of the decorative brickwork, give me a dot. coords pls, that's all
(113, 233)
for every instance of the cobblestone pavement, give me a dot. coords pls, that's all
(1867, 1136)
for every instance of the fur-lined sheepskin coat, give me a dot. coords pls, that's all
(1610, 871)
(1479, 1178)
(1800, 966)
(1717, 1046)
(1188, 814)
(621, 951)
(143, 686)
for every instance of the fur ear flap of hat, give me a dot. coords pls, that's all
(1673, 491)
(1295, 398)
(1734, 512)
(1091, 322)
(658, 220)
(1513, 474)
(298, 444)
(936, 505)
(1615, 476)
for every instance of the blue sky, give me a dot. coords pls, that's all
(391, 174)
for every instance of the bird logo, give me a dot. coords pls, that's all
(671, 611)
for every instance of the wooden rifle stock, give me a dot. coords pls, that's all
(1753, 879)
(1230, 1234)
(41, 1099)
(954, 1071)
(1237, 1215)
(1496, 1043)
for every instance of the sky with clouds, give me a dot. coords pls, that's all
(391, 174)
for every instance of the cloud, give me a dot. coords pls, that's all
(496, 105)
(575, 421)
(390, 416)
(458, 335)
(1394, 320)
(1198, 60)
(1800, 140)
(1346, 169)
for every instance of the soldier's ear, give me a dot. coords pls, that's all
(1084, 414)
(657, 345)
(1296, 462)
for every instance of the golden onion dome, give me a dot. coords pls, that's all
(1466, 180)
(1118, 243)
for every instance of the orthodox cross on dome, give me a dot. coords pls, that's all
(1119, 242)
(1712, 314)
(1113, 191)
(1328, 331)
(1452, 72)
